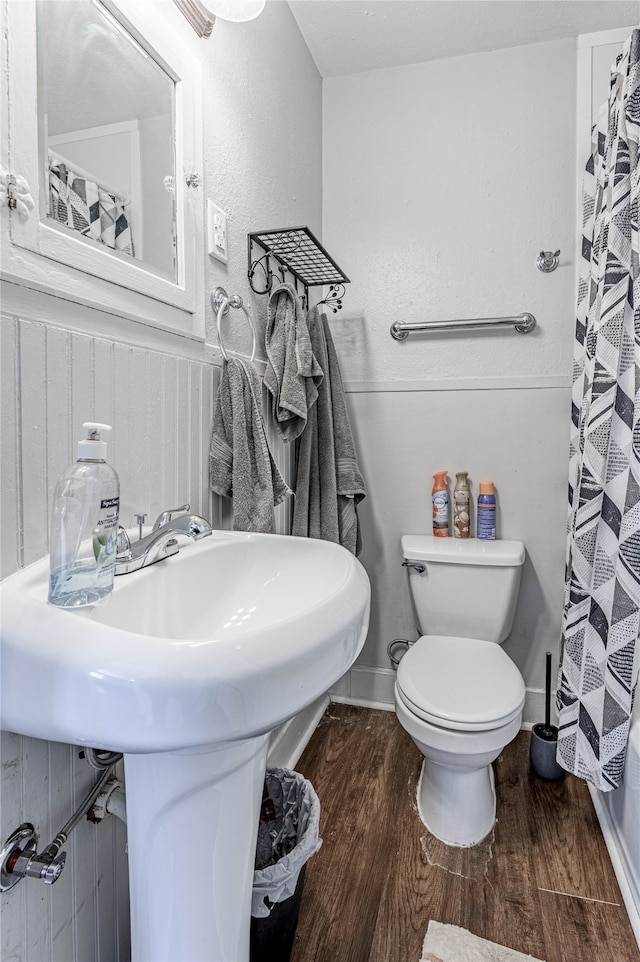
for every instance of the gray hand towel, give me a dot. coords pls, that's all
(241, 466)
(293, 373)
(329, 483)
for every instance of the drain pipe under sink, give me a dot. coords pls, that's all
(111, 801)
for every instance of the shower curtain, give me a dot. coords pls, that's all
(86, 206)
(600, 649)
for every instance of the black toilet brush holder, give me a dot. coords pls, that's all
(544, 739)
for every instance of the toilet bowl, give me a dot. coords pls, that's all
(459, 696)
(461, 701)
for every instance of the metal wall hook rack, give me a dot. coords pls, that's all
(296, 252)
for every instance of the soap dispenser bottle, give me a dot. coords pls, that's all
(84, 526)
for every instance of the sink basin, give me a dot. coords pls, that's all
(225, 640)
(185, 668)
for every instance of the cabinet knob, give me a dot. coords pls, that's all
(14, 192)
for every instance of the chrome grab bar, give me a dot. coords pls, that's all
(523, 323)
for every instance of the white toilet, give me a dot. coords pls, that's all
(457, 693)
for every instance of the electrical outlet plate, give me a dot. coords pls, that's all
(216, 232)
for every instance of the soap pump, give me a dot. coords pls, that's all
(84, 525)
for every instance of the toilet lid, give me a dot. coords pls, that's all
(460, 683)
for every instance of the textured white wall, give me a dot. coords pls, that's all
(62, 364)
(263, 140)
(443, 181)
(404, 437)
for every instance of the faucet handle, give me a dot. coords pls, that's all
(165, 516)
(123, 544)
(140, 518)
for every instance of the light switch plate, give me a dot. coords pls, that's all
(216, 232)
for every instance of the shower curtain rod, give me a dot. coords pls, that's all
(524, 323)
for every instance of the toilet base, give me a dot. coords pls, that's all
(457, 806)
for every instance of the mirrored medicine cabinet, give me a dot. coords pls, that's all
(105, 126)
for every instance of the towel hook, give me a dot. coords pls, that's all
(333, 300)
(221, 302)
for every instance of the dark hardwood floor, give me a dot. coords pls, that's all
(542, 883)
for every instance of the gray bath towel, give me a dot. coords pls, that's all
(241, 466)
(329, 484)
(293, 373)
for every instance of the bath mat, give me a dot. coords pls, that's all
(449, 943)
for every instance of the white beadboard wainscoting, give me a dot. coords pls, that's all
(53, 379)
(160, 405)
(85, 915)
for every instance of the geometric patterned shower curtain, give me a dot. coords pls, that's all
(87, 207)
(600, 649)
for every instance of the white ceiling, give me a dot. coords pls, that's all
(350, 36)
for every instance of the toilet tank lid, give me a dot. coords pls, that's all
(468, 551)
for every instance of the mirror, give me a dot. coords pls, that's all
(108, 94)
(107, 136)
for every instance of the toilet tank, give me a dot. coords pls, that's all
(468, 589)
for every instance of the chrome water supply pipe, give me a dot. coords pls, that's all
(19, 858)
(397, 649)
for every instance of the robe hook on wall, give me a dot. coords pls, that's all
(284, 246)
(262, 266)
(548, 261)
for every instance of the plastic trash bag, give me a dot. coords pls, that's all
(288, 835)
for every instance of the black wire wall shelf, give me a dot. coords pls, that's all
(297, 252)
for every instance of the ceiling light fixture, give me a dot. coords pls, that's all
(202, 18)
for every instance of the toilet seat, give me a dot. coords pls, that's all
(463, 684)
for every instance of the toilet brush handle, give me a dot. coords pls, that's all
(547, 693)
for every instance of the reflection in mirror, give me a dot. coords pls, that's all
(106, 116)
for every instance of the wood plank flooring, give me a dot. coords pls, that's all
(542, 883)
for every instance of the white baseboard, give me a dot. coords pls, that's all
(533, 711)
(361, 702)
(288, 742)
(368, 687)
(373, 688)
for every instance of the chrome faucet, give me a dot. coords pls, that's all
(161, 542)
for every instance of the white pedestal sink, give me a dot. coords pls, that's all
(186, 668)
